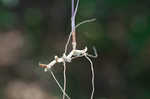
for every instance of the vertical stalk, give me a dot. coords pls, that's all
(72, 7)
(64, 92)
(73, 26)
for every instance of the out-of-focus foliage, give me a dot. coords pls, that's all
(33, 31)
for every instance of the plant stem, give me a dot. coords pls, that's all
(64, 93)
(72, 7)
(73, 27)
(59, 84)
(93, 76)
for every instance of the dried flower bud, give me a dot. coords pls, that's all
(43, 65)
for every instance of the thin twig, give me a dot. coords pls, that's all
(86, 21)
(95, 53)
(66, 46)
(93, 76)
(59, 84)
(69, 38)
(64, 63)
(72, 5)
(76, 9)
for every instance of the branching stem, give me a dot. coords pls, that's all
(69, 38)
(74, 53)
(59, 84)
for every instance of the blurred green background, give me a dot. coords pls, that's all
(33, 31)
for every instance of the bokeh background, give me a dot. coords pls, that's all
(33, 31)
